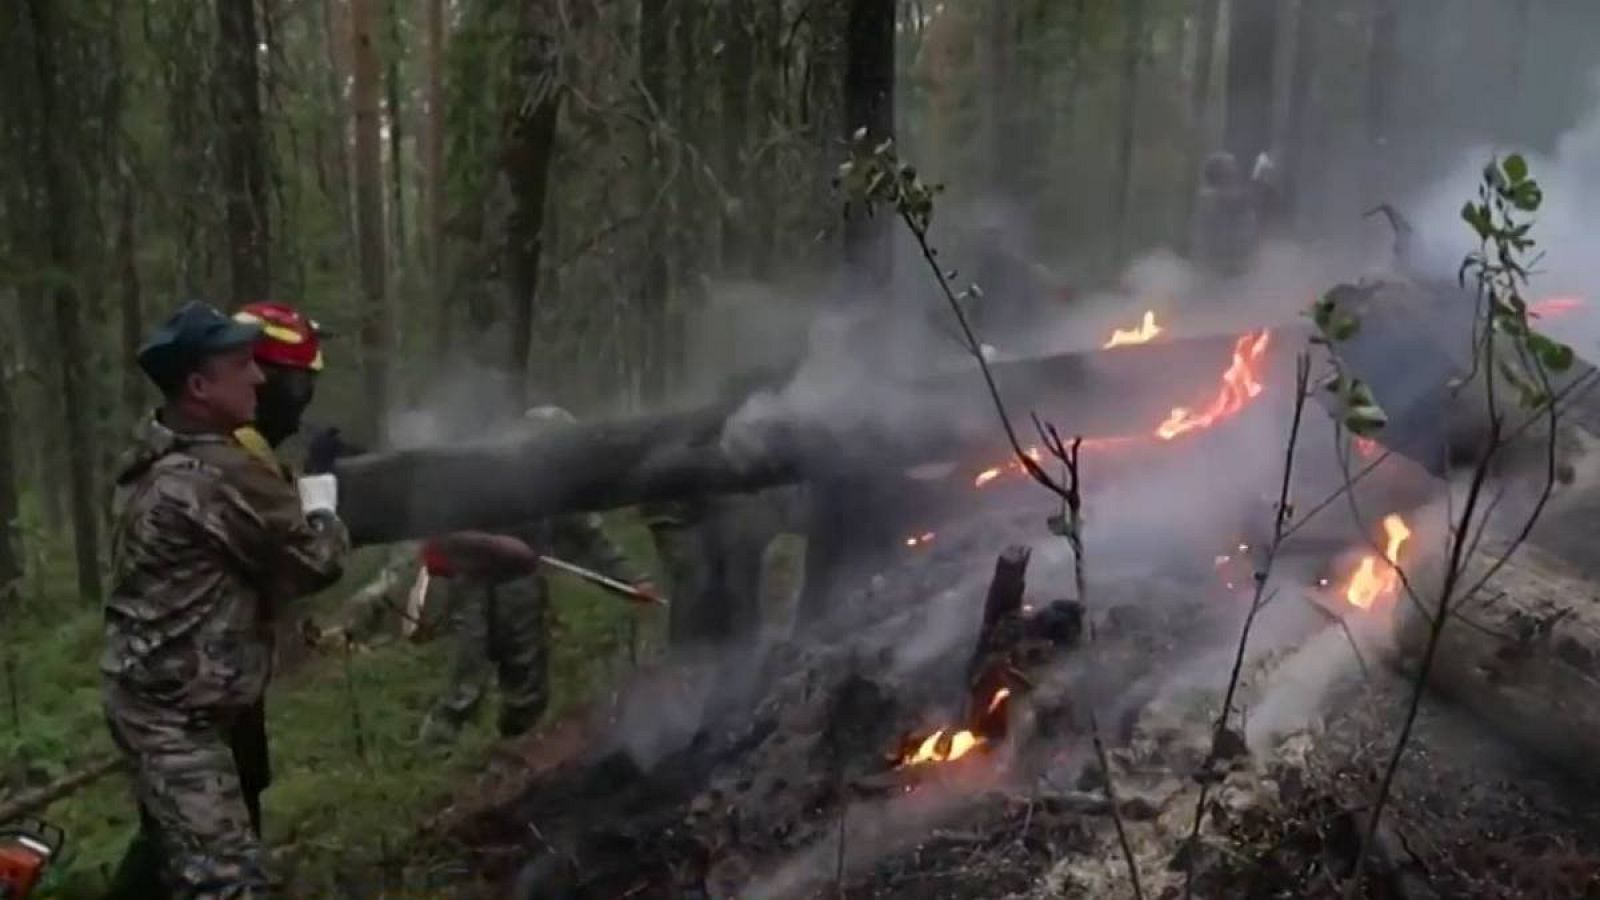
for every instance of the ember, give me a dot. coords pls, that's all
(920, 540)
(1146, 332)
(1367, 585)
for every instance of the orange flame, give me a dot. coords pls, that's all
(945, 745)
(1145, 333)
(1239, 386)
(1367, 584)
(937, 748)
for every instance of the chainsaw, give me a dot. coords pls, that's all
(26, 848)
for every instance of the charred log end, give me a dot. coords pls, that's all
(1002, 606)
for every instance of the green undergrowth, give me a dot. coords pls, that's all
(344, 796)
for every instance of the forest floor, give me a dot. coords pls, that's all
(346, 799)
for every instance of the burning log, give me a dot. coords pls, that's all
(1523, 654)
(600, 465)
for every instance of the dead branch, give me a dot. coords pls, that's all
(29, 802)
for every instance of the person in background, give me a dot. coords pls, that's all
(1226, 223)
(209, 543)
(500, 603)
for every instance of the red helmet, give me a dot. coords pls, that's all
(287, 339)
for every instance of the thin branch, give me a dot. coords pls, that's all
(1302, 379)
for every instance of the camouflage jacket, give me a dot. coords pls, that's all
(208, 542)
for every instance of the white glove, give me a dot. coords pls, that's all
(318, 493)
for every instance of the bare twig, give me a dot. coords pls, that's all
(1073, 498)
(1258, 599)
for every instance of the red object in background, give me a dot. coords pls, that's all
(26, 848)
(434, 560)
(288, 338)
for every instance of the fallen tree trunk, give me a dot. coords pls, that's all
(1523, 654)
(779, 439)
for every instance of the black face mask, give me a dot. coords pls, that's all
(281, 400)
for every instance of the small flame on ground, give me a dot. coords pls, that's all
(945, 745)
(1146, 332)
(919, 540)
(937, 748)
(1014, 467)
(1368, 584)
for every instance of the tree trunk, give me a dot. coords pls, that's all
(132, 307)
(1207, 13)
(433, 152)
(1305, 65)
(1128, 118)
(375, 338)
(50, 149)
(999, 59)
(397, 121)
(738, 72)
(529, 152)
(336, 32)
(1252, 41)
(655, 286)
(10, 534)
(869, 104)
(236, 92)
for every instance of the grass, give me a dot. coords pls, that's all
(331, 811)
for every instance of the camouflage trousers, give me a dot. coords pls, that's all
(195, 818)
(502, 634)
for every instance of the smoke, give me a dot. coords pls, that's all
(1567, 227)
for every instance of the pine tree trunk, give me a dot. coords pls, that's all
(845, 526)
(526, 162)
(375, 338)
(73, 347)
(10, 535)
(131, 312)
(397, 121)
(1127, 121)
(433, 151)
(236, 93)
(869, 104)
(336, 33)
(655, 286)
(738, 71)
(1305, 65)
(1252, 41)
(1207, 14)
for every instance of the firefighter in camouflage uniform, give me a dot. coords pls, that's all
(209, 543)
(499, 602)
